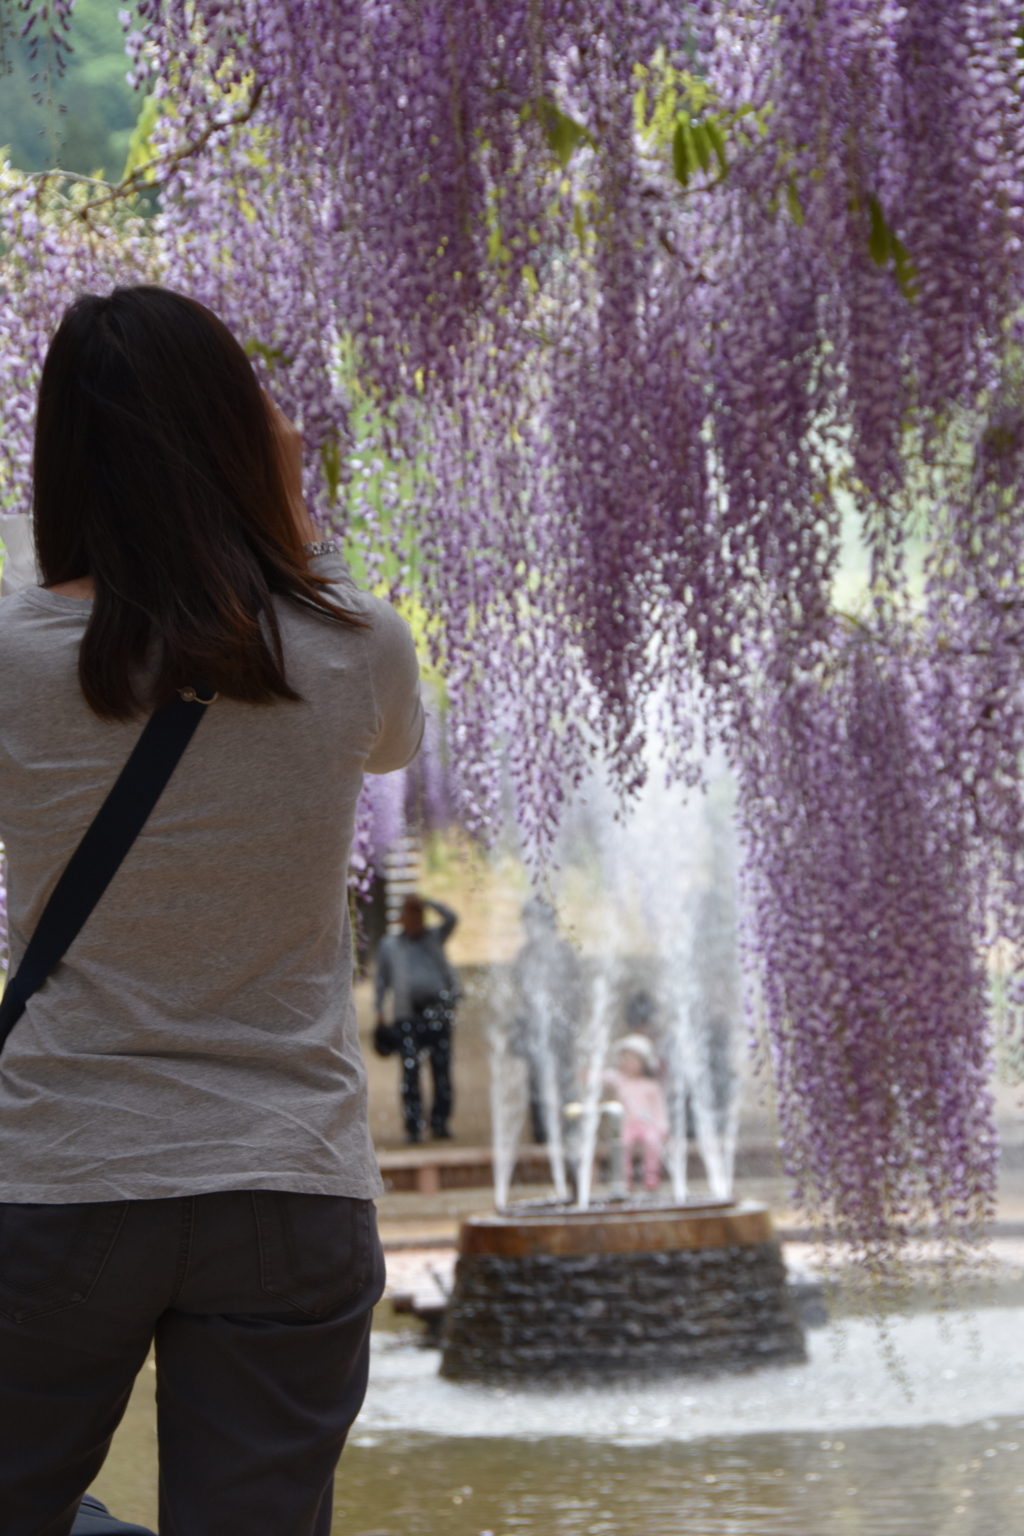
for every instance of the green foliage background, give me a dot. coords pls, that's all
(93, 134)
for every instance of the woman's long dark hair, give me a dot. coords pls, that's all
(157, 474)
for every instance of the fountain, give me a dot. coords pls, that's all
(621, 1289)
(605, 1285)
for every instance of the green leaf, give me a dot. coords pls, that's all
(683, 158)
(564, 134)
(717, 138)
(793, 203)
(270, 355)
(695, 143)
(701, 144)
(883, 243)
(906, 272)
(140, 146)
(330, 458)
(879, 238)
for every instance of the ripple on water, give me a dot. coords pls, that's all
(832, 1446)
(966, 1479)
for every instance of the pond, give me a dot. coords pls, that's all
(841, 1444)
(965, 1481)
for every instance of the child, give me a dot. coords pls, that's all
(645, 1122)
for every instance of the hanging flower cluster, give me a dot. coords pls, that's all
(860, 884)
(590, 310)
(47, 255)
(419, 799)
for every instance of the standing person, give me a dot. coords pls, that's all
(413, 967)
(645, 1122)
(185, 1156)
(549, 979)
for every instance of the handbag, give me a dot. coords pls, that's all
(102, 850)
(387, 1039)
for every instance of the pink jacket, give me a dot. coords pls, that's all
(642, 1100)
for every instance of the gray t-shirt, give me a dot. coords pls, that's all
(200, 1034)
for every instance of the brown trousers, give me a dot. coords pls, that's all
(259, 1304)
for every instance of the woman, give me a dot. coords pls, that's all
(184, 1150)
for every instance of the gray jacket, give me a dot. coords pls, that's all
(416, 971)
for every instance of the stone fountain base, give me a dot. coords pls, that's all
(619, 1291)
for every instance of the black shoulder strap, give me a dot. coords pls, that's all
(99, 855)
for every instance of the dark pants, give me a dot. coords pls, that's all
(259, 1303)
(429, 1030)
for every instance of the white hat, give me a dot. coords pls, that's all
(639, 1045)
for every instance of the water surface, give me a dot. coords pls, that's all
(964, 1481)
(835, 1445)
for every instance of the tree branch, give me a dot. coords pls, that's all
(144, 176)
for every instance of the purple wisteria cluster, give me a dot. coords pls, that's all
(593, 312)
(417, 800)
(49, 255)
(860, 883)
